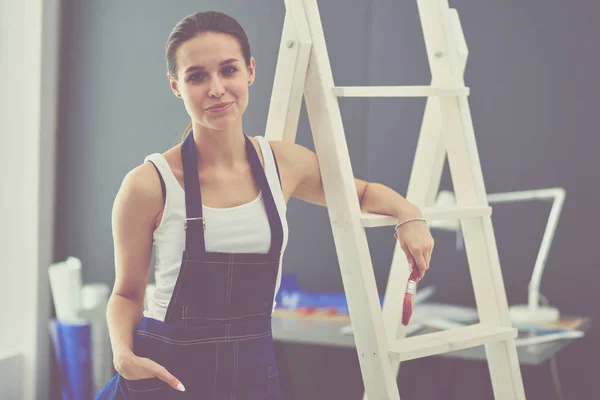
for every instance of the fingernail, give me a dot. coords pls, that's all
(180, 388)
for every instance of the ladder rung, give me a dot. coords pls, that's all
(449, 340)
(370, 220)
(398, 91)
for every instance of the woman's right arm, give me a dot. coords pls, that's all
(136, 208)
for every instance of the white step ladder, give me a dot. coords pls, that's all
(303, 71)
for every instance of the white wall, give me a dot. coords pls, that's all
(28, 78)
(10, 376)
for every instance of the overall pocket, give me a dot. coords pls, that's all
(147, 389)
(256, 373)
(157, 348)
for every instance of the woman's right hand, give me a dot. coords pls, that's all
(132, 367)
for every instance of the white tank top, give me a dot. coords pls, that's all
(241, 229)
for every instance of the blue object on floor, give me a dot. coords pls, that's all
(292, 296)
(73, 347)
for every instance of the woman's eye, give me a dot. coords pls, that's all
(230, 69)
(196, 77)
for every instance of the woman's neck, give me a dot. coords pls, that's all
(220, 148)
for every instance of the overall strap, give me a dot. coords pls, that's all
(270, 206)
(194, 221)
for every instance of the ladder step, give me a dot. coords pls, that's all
(450, 340)
(398, 91)
(370, 220)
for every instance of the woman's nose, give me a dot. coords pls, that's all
(216, 88)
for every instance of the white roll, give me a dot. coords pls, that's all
(65, 285)
(94, 300)
(94, 295)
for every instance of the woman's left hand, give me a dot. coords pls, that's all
(417, 243)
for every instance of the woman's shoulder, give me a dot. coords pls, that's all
(173, 158)
(296, 163)
(141, 185)
(292, 154)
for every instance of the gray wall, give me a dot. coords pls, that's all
(532, 73)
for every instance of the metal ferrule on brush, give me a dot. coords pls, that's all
(411, 288)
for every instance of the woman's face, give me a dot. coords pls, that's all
(213, 79)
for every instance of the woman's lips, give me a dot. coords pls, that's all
(220, 107)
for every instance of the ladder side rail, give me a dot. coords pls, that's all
(422, 190)
(344, 213)
(290, 75)
(467, 176)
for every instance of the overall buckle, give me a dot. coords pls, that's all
(185, 223)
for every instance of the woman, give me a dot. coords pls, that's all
(206, 333)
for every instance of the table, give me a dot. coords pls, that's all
(326, 331)
(288, 327)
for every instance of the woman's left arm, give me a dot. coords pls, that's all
(414, 237)
(301, 179)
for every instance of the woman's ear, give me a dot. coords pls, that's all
(173, 84)
(251, 71)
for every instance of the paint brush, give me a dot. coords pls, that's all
(409, 296)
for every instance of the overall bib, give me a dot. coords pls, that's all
(216, 337)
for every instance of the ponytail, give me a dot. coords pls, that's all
(187, 130)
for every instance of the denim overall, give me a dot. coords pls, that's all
(216, 338)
